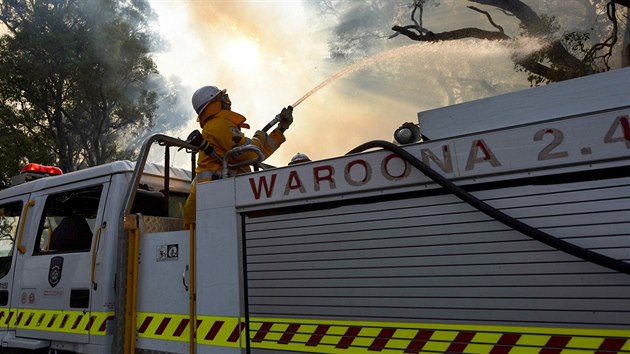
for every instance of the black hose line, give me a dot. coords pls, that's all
(538, 235)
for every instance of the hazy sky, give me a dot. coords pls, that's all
(268, 54)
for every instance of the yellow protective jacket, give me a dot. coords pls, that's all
(223, 132)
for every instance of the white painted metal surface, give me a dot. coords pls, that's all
(561, 145)
(163, 261)
(592, 93)
(219, 280)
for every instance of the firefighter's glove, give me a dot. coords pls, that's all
(286, 118)
(261, 136)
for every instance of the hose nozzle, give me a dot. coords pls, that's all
(275, 120)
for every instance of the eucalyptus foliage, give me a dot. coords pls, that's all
(76, 77)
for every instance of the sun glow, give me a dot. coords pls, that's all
(242, 54)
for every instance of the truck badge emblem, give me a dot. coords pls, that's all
(54, 272)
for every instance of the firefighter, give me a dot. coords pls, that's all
(221, 131)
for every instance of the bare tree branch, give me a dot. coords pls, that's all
(489, 18)
(462, 33)
(609, 42)
(554, 62)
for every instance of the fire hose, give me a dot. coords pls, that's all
(536, 234)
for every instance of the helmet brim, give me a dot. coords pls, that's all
(205, 105)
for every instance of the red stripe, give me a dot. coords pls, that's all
(52, 320)
(145, 324)
(236, 333)
(19, 318)
(30, 318)
(626, 127)
(214, 330)
(1, 315)
(64, 320)
(611, 346)
(77, 321)
(104, 324)
(381, 340)
(9, 318)
(289, 333)
(348, 338)
(262, 332)
(89, 324)
(416, 345)
(460, 342)
(320, 332)
(162, 326)
(181, 327)
(555, 344)
(505, 344)
(40, 319)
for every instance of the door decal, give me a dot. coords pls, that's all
(54, 272)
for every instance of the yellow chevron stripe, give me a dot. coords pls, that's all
(451, 327)
(358, 337)
(442, 336)
(223, 334)
(75, 322)
(164, 326)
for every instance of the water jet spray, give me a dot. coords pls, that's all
(392, 53)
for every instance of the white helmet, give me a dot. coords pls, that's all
(204, 96)
(298, 158)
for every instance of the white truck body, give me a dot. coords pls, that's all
(358, 254)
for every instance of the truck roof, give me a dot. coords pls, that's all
(112, 168)
(589, 94)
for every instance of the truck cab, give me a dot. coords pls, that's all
(58, 246)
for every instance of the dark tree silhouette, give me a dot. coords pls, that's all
(570, 56)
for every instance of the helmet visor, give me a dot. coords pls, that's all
(225, 98)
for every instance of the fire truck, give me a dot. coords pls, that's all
(504, 229)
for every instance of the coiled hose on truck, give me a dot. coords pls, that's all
(538, 235)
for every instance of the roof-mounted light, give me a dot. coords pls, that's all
(41, 169)
(407, 133)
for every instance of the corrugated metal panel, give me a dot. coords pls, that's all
(436, 259)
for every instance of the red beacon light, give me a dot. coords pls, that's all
(33, 171)
(41, 169)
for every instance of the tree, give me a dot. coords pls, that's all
(76, 77)
(19, 139)
(572, 54)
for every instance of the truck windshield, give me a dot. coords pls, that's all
(9, 221)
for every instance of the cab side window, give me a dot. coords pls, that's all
(68, 221)
(9, 221)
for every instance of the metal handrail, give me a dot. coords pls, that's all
(20, 247)
(237, 150)
(163, 140)
(123, 237)
(94, 252)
